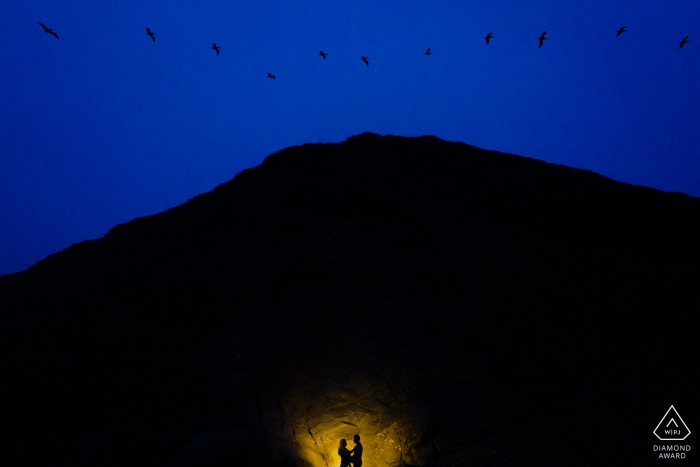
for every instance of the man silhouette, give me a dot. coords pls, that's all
(356, 452)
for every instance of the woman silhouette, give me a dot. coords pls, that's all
(344, 453)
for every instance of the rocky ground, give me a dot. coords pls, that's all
(453, 306)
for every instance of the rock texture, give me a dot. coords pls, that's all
(453, 306)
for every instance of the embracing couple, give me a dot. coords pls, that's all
(354, 456)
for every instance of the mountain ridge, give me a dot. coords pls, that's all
(439, 295)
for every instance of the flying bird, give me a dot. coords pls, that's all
(427, 52)
(542, 39)
(683, 42)
(621, 30)
(270, 75)
(215, 47)
(49, 30)
(323, 54)
(151, 33)
(365, 59)
(488, 37)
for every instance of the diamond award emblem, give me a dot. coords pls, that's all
(671, 427)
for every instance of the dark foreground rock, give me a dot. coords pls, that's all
(453, 306)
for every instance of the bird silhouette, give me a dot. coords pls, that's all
(49, 30)
(488, 37)
(542, 39)
(323, 54)
(427, 52)
(270, 75)
(151, 33)
(621, 30)
(215, 47)
(365, 59)
(683, 42)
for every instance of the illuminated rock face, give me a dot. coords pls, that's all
(336, 410)
(450, 305)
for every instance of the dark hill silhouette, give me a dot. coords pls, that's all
(453, 306)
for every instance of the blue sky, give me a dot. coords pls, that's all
(103, 125)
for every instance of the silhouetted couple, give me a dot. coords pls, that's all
(354, 456)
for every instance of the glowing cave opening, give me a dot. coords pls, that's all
(319, 445)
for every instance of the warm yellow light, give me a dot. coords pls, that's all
(318, 443)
